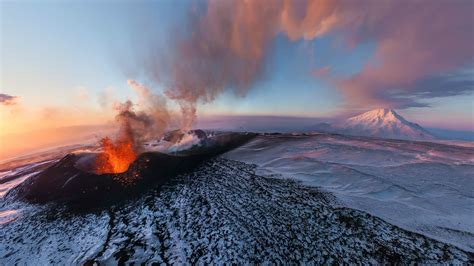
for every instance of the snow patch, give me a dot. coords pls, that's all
(419, 186)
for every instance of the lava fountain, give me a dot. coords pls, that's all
(116, 156)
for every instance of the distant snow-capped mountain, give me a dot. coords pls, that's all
(382, 123)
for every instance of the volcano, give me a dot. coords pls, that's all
(385, 123)
(72, 180)
(380, 123)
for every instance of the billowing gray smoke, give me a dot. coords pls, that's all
(225, 46)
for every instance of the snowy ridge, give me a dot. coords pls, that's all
(383, 123)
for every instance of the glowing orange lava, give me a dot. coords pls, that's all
(115, 157)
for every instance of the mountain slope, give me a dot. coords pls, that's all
(383, 123)
(223, 212)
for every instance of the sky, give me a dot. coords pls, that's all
(65, 63)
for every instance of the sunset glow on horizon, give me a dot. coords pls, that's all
(67, 63)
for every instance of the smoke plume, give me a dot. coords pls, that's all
(224, 49)
(154, 107)
(226, 45)
(146, 120)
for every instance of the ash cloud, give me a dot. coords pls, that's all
(8, 100)
(226, 44)
(133, 124)
(416, 41)
(322, 72)
(444, 85)
(147, 119)
(425, 88)
(140, 121)
(224, 48)
(153, 113)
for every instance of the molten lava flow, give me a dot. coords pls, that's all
(115, 157)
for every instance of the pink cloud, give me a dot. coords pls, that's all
(322, 72)
(8, 100)
(226, 46)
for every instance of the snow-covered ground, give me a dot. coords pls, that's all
(421, 186)
(220, 213)
(316, 198)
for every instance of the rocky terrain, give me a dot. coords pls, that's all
(223, 212)
(423, 187)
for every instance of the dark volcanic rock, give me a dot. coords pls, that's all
(222, 212)
(66, 182)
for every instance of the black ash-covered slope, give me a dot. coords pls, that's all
(67, 181)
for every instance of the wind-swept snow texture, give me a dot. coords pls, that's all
(221, 213)
(421, 186)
